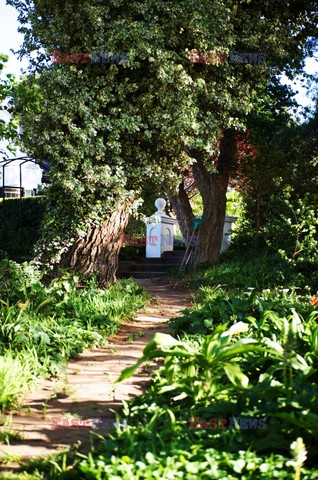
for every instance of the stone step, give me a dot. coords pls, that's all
(140, 274)
(155, 267)
(174, 254)
(160, 261)
(151, 267)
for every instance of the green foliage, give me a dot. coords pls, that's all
(42, 326)
(248, 282)
(11, 88)
(289, 239)
(20, 230)
(21, 476)
(19, 371)
(215, 305)
(18, 281)
(210, 463)
(8, 129)
(292, 230)
(241, 369)
(234, 204)
(243, 268)
(256, 265)
(108, 128)
(196, 205)
(244, 353)
(276, 176)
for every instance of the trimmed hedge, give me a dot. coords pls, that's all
(19, 226)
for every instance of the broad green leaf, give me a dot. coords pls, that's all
(235, 375)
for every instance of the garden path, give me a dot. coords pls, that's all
(88, 388)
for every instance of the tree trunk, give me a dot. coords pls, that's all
(213, 188)
(97, 252)
(182, 208)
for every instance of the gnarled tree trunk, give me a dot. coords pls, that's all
(213, 188)
(97, 252)
(182, 208)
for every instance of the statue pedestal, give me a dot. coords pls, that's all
(226, 240)
(160, 233)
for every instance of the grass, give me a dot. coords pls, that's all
(43, 326)
(132, 337)
(6, 432)
(259, 268)
(19, 371)
(9, 458)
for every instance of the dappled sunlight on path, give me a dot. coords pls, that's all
(86, 389)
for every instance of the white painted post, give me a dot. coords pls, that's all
(160, 232)
(226, 240)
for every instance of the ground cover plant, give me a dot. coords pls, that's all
(249, 354)
(217, 304)
(44, 325)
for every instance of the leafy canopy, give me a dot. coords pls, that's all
(108, 128)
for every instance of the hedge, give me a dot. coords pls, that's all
(19, 226)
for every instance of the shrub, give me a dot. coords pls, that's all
(20, 223)
(19, 281)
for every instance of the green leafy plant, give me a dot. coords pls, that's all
(43, 326)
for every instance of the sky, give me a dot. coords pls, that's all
(11, 39)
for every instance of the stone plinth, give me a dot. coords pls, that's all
(160, 232)
(228, 227)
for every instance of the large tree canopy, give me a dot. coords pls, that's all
(107, 128)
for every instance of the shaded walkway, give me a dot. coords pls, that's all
(87, 388)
